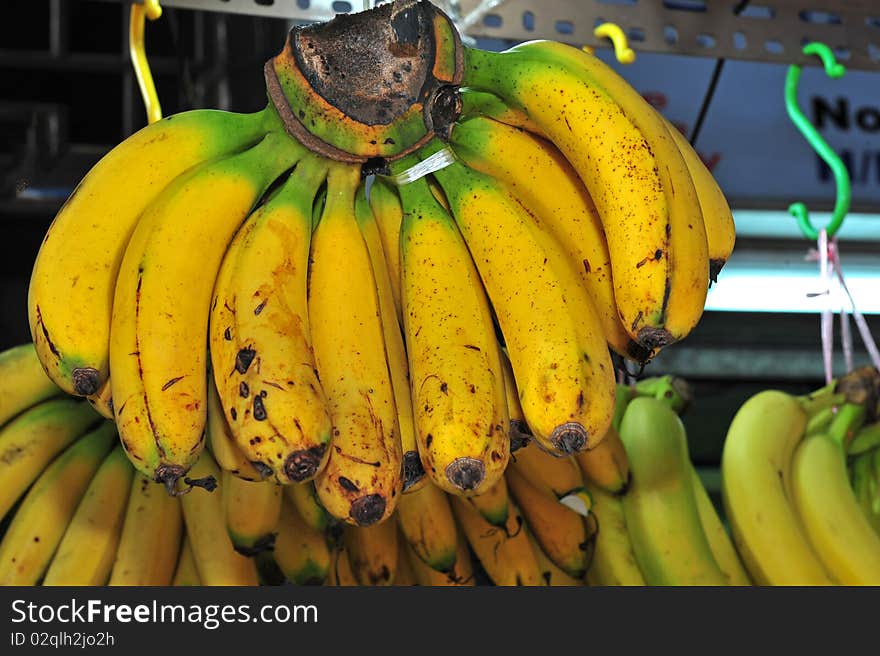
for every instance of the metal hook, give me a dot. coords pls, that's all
(139, 12)
(799, 211)
(613, 31)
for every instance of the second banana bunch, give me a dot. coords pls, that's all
(211, 276)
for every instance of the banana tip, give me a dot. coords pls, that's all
(304, 464)
(368, 510)
(653, 338)
(413, 471)
(466, 473)
(86, 381)
(569, 438)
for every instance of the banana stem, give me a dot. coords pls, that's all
(849, 419)
(865, 440)
(821, 399)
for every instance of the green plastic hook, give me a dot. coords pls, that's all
(841, 175)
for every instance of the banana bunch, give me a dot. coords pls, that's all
(242, 282)
(799, 484)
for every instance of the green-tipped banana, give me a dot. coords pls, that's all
(660, 506)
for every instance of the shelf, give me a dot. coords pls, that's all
(767, 30)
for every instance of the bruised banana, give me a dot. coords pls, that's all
(559, 357)
(261, 351)
(162, 303)
(102, 400)
(149, 546)
(413, 472)
(40, 521)
(426, 523)
(505, 553)
(33, 438)
(560, 532)
(251, 511)
(71, 291)
(86, 553)
(372, 552)
(529, 166)
(460, 575)
(550, 571)
(23, 383)
(217, 560)
(362, 480)
(632, 169)
(454, 361)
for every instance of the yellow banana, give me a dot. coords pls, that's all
(413, 472)
(755, 475)
(493, 504)
(222, 444)
(341, 573)
(840, 533)
(405, 575)
(251, 510)
(455, 364)
(461, 574)
(559, 356)
(23, 383)
(428, 526)
(261, 351)
(86, 553)
(372, 552)
(719, 541)
(39, 523)
(529, 167)
(387, 209)
(305, 499)
(362, 480)
(70, 298)
(614, 561)
(660, 506)
(717, 217)
(520, 433)
(551, 573)
(300, 551)
(163, 299)
(632, 168)
(505, 553)
(217, 560)
(557, 478)
(560, 532)
(186, 574)
(33, 438)
(606, 464)
(151, 537)
(102, 400)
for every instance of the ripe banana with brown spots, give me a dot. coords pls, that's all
(260, 336)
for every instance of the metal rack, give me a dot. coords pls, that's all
(766, 30)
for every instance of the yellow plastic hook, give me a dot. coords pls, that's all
(613, 31)
(139, 12)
